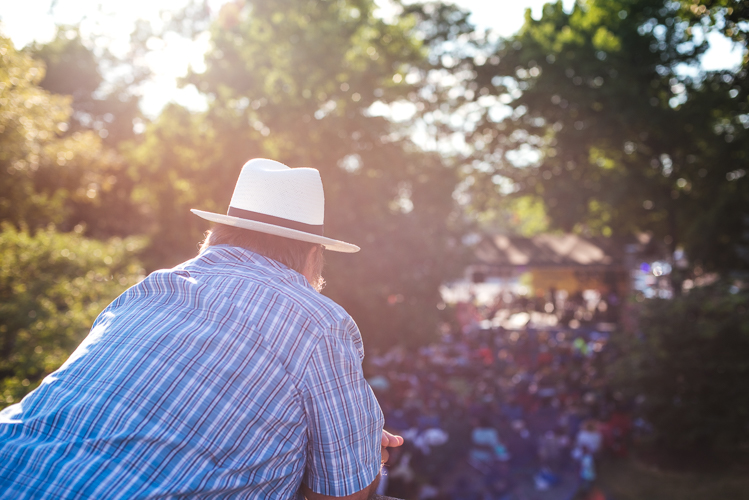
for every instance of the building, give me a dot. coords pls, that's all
(555, 261)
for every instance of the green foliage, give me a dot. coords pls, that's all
(728, 16)
(522, 215)
(46, 174)
(93, 182)
(293, 81)
(52, 287)
(627, 142)
(691, 364)
(73, 69)
(632, 479)
(30, 120)
(588, 81)
(179, 163)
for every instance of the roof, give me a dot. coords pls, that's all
(549, 250)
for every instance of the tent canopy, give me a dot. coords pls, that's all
(550, 250)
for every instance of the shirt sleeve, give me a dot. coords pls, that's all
(344, 419)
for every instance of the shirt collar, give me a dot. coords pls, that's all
(246, 262)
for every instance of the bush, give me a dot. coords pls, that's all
(52, 287)
(691, 364)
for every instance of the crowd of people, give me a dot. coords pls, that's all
(490, 412)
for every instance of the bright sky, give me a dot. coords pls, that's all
(28, 20)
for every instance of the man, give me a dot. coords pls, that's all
(228, 376)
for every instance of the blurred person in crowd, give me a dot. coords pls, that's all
(487, 450)
(586, 475)
(618, 429)
(589, 437)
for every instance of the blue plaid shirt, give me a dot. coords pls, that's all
(228, 376)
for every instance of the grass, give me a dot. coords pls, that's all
(631, 479)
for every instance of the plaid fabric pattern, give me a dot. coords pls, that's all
(225, 377)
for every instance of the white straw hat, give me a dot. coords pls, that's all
(272, 198)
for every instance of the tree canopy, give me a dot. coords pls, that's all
(627, 137)
(295, 81)
(44, 171)
(52, 287)
(689, 365)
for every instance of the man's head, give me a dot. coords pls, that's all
(304, 257)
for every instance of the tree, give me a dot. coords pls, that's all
(52, 287)
(108, 106)
(625, 140)
(105, 110)
(727, 16)
(44, 174)
(295, 81)
(690, 365)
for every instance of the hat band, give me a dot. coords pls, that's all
(276, 221)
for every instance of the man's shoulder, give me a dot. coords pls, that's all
(247, 277)
(321, 307)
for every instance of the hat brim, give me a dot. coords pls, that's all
(262, 227)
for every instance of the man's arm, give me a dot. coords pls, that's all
(365, 494)
(388, 441)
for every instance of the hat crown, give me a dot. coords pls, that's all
(271, 188)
